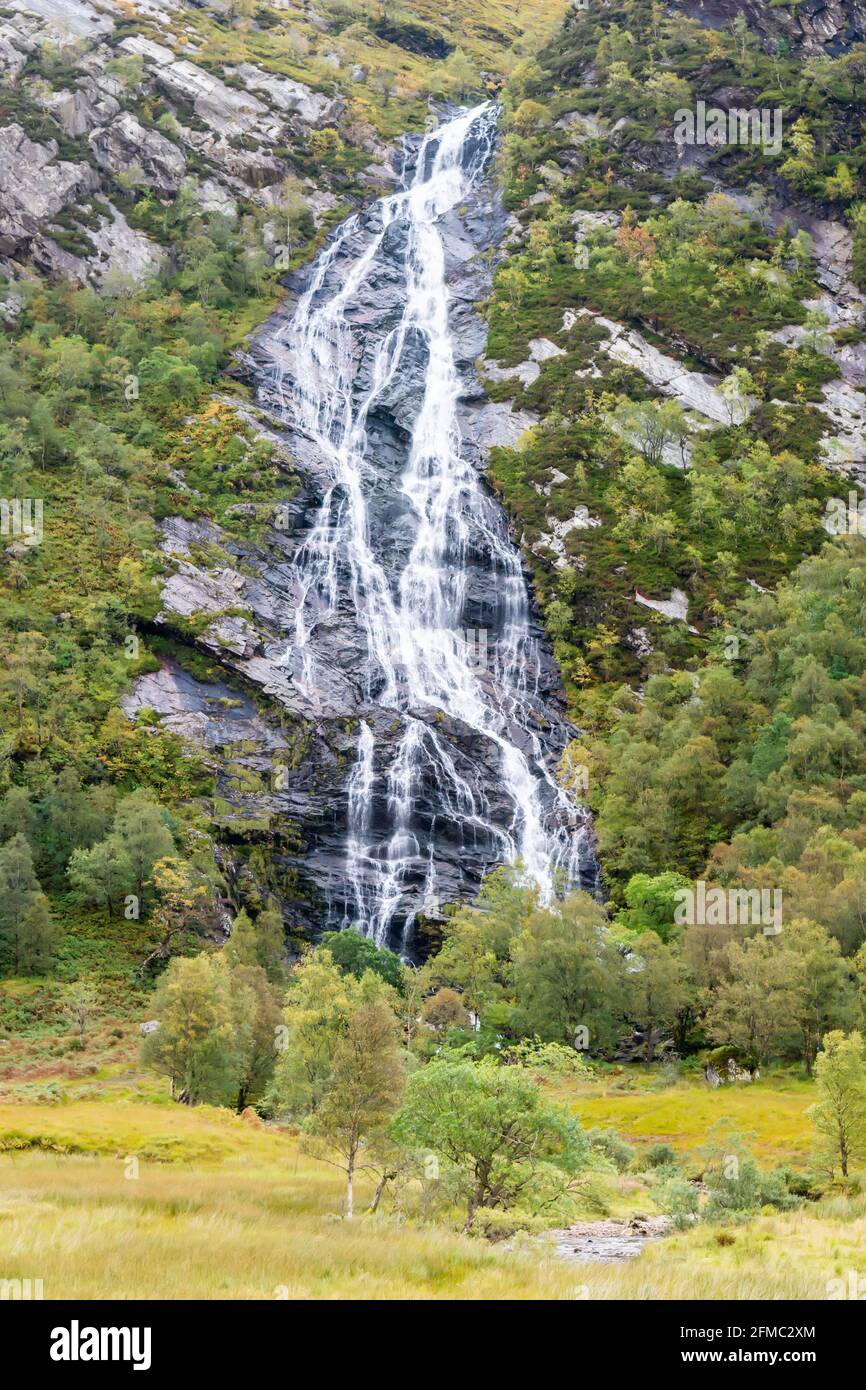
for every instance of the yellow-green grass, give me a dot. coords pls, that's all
(244, 1215)
(796, 1255)
(771, 1110)
(215, 1207)
(494, 35)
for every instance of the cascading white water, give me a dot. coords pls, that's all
(413, 625)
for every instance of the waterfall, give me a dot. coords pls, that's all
(429, 703)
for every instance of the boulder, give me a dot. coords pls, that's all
(79, 111)
(313, 108)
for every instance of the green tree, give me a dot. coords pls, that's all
(839, 1114)
(754, 1006)
(320, 1000)
(826, 990)
(242, 945)
(658, 988)
(568, 975)
(474, 958)
(506, 1145)
(651, 427)
(355, 953)
(650, 903)
(364, 1087)
(101, 874)
(197, 1043)
(257, 1017)
(17, 814)
(143, 835)
(28, 935)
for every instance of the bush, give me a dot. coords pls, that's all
(612, 1146)
(678, 1199)
(660, 1156)
(719, 1058)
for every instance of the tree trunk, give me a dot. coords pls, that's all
(350, 1188)
(380, 1188)
(475, 1201)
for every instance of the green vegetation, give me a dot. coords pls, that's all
(545, 1063)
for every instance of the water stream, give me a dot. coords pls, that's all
(448, 683)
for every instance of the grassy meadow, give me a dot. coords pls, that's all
(109, 1190)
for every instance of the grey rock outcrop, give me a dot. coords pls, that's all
(126, 143)
(35, 186)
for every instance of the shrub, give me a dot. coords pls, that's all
(678, 1199)
(660, 1156)
(612, 1146)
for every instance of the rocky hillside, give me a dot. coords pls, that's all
(166, 173)
(669, 388)
(682, 319)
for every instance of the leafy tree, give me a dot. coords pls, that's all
(28, 936)
(197, 1044)
(353, 952)
(257, 1017)
(530, 115)
(319, 1003)
(71, 817)
(651, 901)
(474, 958)
(506, 1144)
(143, 835)
(568, 975)
(184, 901)
(800, 165)
(754, 1006)
(839, 1114)
(17, 814)
(658, 988)
(651, 427)
(102, 874)
(443, 1010)
(242, 945)
(668, 93)
(826, 992)
(364, 1086)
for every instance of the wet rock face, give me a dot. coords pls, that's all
(303, 743)
(811, 26)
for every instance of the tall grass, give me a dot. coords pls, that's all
(220, 1232)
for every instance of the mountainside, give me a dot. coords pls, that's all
(683, 317)
(433, 645)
